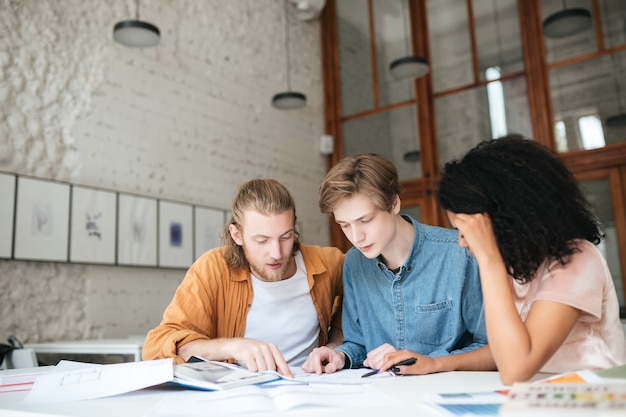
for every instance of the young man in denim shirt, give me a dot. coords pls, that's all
(410, 291)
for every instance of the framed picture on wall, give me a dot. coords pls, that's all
(136, 230)
(209, 225)
(42, 220)
(7, 211)
(92, 225)
(175, 234)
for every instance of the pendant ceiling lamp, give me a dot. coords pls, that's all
(567, 22)
(616, 120)
(409, 66)
(289, 99)
(411, 156)
(308, 9)
(135, 33)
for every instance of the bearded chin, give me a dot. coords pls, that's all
(269, 275)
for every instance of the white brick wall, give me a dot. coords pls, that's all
(185, 121)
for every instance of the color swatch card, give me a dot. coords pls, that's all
(599, 399)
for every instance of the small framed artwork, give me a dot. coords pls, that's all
(7, 211)
(136, 230)
(209, 226)
(93, 219)
(175, 235)
(42, 220)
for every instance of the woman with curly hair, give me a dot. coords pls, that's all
(550, 302)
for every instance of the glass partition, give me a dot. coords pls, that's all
(355, 61)
(598, 193)
(498, 40)
(585, 120)
(450, 49)
(469, 117)
(480, 87)
(392, 133)
(612, 16)
(392, 42)
(564, 47)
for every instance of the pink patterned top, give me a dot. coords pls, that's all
(597, 340)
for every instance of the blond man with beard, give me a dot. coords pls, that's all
(262, 299)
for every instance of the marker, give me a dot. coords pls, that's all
(394, 368)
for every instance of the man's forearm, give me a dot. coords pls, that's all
(207, 348)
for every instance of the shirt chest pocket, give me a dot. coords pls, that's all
(435, 325)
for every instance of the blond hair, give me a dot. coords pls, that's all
(370, 175)
(266, 196)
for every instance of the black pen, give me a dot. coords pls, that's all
(410, 361)
(374, 372)
(394, 367)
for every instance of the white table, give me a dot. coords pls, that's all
(404, 390)
(128, 346)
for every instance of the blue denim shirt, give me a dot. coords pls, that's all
(432, 306)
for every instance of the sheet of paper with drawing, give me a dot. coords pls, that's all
(80, 381)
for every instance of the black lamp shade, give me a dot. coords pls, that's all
(136, 34)
(567, 22)
(409, 67)
(616, 120)
(411, 156)
(289, 100)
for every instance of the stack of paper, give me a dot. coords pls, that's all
(20, 379)
(80, 381)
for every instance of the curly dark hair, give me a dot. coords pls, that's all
(534, 201)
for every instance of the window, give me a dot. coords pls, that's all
(591, 132)
(560, 135)
(495, 95)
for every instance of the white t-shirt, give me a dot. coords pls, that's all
(282, 313)
(597, 339)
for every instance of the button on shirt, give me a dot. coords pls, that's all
(433, 305)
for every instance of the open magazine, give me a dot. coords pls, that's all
(215, 375)
(201, 373)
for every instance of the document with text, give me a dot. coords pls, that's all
(263, 399)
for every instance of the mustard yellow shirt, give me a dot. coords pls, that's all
(213, 300)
